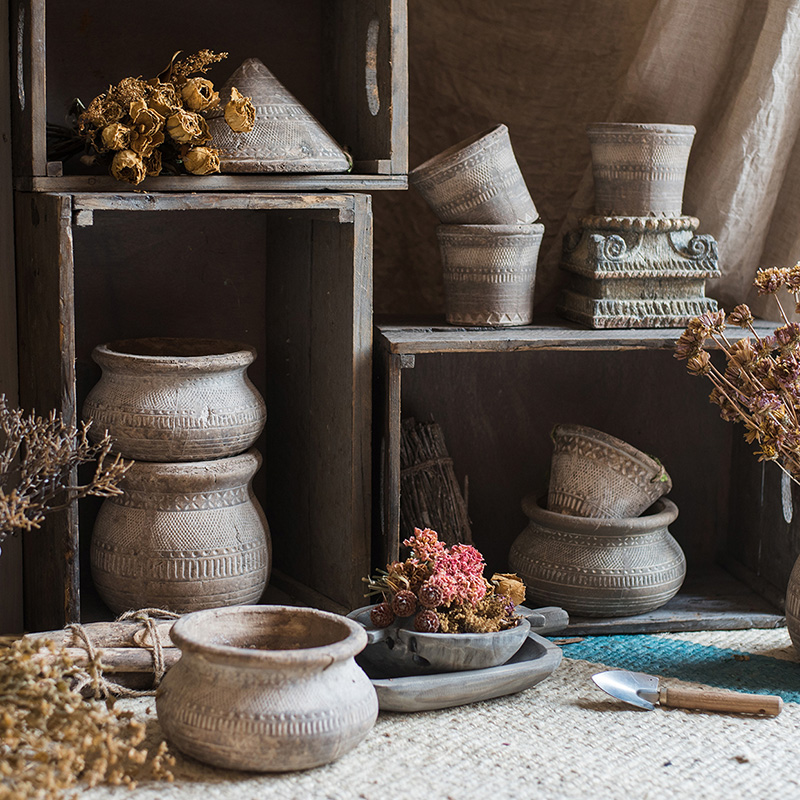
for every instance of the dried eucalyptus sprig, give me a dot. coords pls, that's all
(760, 386)
(52, 739)
(37, 459)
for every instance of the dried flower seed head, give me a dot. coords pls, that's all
(199, 62)
(430, 595)
(240, 113)
(699, 329)
(128, 166)
(426, 621)
(741, 316)
(769, 280)
(766, 346)
(763, 403)
(127, 91)
(699, 364)
(404, 603)
(792, 278)
(788, 336)
(728, 410)
(198, 94)
(202, 160)
(382, 615)
(786, 372)
(688, 345)
(425, 545)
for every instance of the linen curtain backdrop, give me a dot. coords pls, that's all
(731, 68)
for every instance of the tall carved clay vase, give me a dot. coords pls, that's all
(176, 399)
(182, 536)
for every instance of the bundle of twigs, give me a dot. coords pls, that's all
(430, 496)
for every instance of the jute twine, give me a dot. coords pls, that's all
(93, 676)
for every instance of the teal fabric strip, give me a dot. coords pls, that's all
(714, 666)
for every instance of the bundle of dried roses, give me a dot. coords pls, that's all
(444, 590)
(760, 386)
(38, 456)
(145, 126)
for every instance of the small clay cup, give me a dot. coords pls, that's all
(476, 181)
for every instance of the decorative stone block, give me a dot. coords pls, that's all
(638, 272)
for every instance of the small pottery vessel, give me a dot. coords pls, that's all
(399, 650)
(266, 688)
(599, 567)
(175, 399)
(182, 537)
(285, 136)
(639, 169)
(793, 605)
(593, 474)
(476, 181)
(489, 273)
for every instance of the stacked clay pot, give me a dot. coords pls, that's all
(186, 533)
(601, 547)
(489, 239)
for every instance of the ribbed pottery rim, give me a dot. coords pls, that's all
(193, 632)
(660, 475)
(664, 513)
(186, 354)
(526, 229)
(213, 473)
(640, 127)
(475, 142)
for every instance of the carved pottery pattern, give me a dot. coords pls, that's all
(175, 408)
(477, 181)
(161, 544)
(656, 224)
(285, 136)
(639, 169)
(591, 478)
(246, 706)
(600, 567)
(489, 272)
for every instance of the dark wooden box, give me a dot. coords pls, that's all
(497, 395)
(345, 60)
(290, 274)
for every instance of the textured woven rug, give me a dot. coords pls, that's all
(563, 738)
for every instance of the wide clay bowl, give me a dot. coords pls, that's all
(399, 650)
(266, 688)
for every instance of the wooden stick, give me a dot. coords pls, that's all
(705, 700)
(129, 633)
(123, 659)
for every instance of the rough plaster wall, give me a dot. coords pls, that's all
(544, 67)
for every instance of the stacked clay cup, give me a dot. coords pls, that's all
(489, 239)
(186, 533)
(601, 546)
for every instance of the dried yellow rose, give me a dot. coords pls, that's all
(201, 160)
(116, 136)
(187, 127)
(198, 94)
(152, 163)
(240, 114)
(128, 166)
(147, 125)
(509, 585)
(163, 98)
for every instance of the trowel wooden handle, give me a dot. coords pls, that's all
(721, 701)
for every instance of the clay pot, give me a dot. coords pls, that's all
(182, 537)
(593, 474)
(793, 605)
(599, 567)
(476, 181)
(175, 399)
(399, 650)
(639, 169)
(489, 273)
(266, 688)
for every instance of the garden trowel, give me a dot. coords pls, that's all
(643, 691)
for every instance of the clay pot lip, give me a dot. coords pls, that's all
(662, 513)
(212, 473)
(189, 354)
(660, 474)
(524, 229)
(458, 152)
(601, 128)
(191, 631)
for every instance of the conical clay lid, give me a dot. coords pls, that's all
(285, 137)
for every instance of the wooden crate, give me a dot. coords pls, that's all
(288, 273)
(498, 393)
(345, 60)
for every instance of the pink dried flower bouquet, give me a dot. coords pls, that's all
(444, 589)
